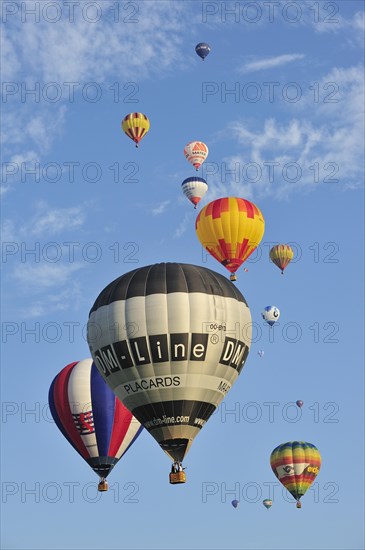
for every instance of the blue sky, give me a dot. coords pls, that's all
(290, 138)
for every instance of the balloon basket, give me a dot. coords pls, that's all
(233, 277)
(299, 504)
(178, 477)
(103, 486)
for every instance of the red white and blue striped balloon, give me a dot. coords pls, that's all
(91, 417)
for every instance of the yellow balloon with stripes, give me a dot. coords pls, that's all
(230, 229)
(135, 126)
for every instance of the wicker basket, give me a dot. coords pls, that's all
(179, 477)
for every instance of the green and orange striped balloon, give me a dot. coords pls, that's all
(296, 465)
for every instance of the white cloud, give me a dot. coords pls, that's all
(43, 276)
(161, 208)
(70, 298)
(57, 220)
(354, 26)
(270, 62)
(45, 222)
(119, 47)
(83, 51)
(183, 226)
(4, 189)
(324, 145)
(8, 233)
(22, 127)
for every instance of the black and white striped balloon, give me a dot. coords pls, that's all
(170, 340)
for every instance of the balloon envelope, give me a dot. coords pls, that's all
(267, 503)
(170, 340)
(281, 255)
(135, 126)
(296, 465)
(196, 153)
(194, 189)
(230, 229)
(235, 503)
(300, 403)
(90, 416)
(202, 49)
(271, 314)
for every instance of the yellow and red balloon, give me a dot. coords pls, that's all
(281, 255)
(230, 229)
(135, 126)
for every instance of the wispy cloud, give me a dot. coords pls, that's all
(322, 146)
(44, 275)
(45, 222)
(270, 62)
(161, 208)
(26, 126)
(81, 52)
(33, 274)
(183, 225)
(91, 51)
(71, 297)
(57, 220)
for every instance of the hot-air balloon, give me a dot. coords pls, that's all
(91, 417)
(194, 189)
(136, 126)
(296, 465)
(261, 353)
(271, 314)
(202, 49)
(299, 403)
(267, 503)
(235, 503)
(230, 229)
(281, 255)
(170, 340)
(196, 153)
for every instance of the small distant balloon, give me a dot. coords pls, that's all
(235, 503)
(267, 503)
(196, 153)
(135, 126)
(261, 353)
(281, 255)
(300, 403)
(202, 49)
(194, 189)
(271, 314)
